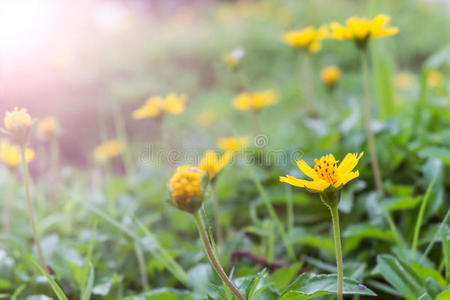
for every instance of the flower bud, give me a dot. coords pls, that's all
(187, 188)
(18, 124)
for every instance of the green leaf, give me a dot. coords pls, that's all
(446, 250)
(282, 277)
(442, 153)
(55, 287)
(426, 272)
(401, 203)
(401, 276)
(86, 295)
(368, 231)
(307, 286)
(445, 295)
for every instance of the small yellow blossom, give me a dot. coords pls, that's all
(435, 78)
(108, 150)
(255, 101)
(212, 164)
(232, 143)
(362, 29)
(154, 106)
(186, 188)
(206, 118)
(151, 108)
(404, 80)
(10, 154)
(174, 104)
(18, 123)
(49, 127)
(326, 173)
(234, 58)
(308, 37)
(330, 75)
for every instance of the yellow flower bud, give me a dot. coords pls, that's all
(330, 75)
(18, 123)
(186, 188)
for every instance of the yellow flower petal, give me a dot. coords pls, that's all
(344, 178)
(316, 186)
(349, 163)
(384, 32)
(379, 22)
(293, 181)
(303, 166)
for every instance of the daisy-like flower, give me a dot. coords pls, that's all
(330, 75)
(174, 104)
(212, 164)
(326, 173)
(10, 154)
(361, 30)
(233, 59)
(49, 128)
(308, 38)
(255, 101)
(18, 123)
(232, 143)
(151, 109)
(108, 150)
(186, 188)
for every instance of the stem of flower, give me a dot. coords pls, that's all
(337, 244)
(256, 122)
(30, 207)
(141, 262)
(8, 205)
(54, 155)
(307, 81)
(368, 121)
(219, 228)
(121, 133)
(212, 257)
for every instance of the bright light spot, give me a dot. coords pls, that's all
(21, 22)
(109, 16)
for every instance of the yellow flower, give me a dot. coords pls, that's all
(174, 104)
(308, 37)
(233, 58)
(326, 173)
(18, 123)
(10, 154)
(232, 143)
(151, 108)
(435, 78)
(186, 188)
(362, 29)
(404, 80)
(255, 101)
(330, 75)
(206, 118)
(49, 127)
(108, 150)
(211, 163)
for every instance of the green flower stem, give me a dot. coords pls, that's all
(141, 263)
(121, 133)
(368, 121)
(8, 204)
(212, 257)
(219, 228)
(54, 155)
(307, 82)
(30, 208)
(337, 245)
(256, 122)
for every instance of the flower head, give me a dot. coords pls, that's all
(308, 37)
(326, 173)
(232, 143)
(174, 104)
(435, 78)
(255, 101)
(186, 188)
(151, 108)
(108, 150)
(234, 58)
(330, 75)
(206, 118)
(404, 80)
(10, 154)
(212, 164)
(49, 127)
(18, 123)
(361, 30)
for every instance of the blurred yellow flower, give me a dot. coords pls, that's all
(186, 188)
(308, 37)
(326, 173)
(212, 164)
(233, 58)
(10, 154)
(330, 75)
(255, 101)
(435, 78)
(404, 80)
(362, 29)
(18, 123)
(154, 106)
(174, 104)
(232, 143)
(49, 127)
(108, 150)
(206, 118)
